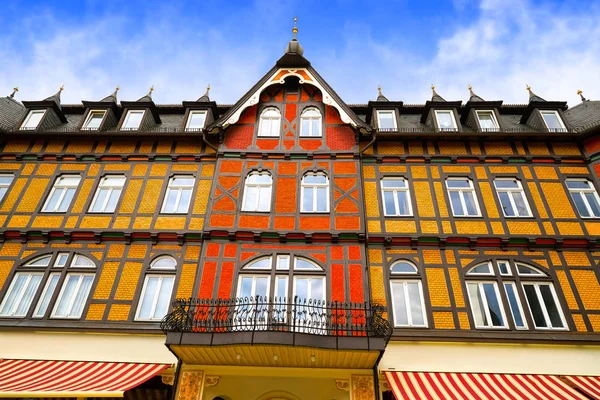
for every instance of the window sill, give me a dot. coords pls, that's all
(467, 216)
(399, 216)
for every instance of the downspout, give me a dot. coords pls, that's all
(369, 144)
(376, 382)
(207, 142)
(176, 377)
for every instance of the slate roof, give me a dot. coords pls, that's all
(11, 112)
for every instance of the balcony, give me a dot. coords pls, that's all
(252, 331)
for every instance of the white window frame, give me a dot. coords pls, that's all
(407, 305)
(30, 114)
(263, 118)
(494, 120)
(111, 188)
(471, 188)
(455, 125)
(314, 186)
(486, 308)
(310, 125)
(179, 188)
(19, 296)
(6, 186)
(544, 307)
(513, 204)
(36, 312)
(379, 112)
(82, 276)
(582, 192)
(65, 187)
(490, 268)
(508, 268)
(189, 120)
(395, 192)
(560, 121)
(162, 278)
(519, 305)
(89, 118)
(124, 127)
(253, 289)
(259, 187)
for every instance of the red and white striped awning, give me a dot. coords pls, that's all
(31, 378)
(589, 384)
(459, 386)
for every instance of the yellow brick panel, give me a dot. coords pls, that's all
(55, 146)
(107, 279)
(370, 199)
(566, 289)
(5, 267)
(527, 172)
(121, 222)
(548, 228)
(95, 222)
(79, 147)
(116, 251)
(443, 320)
(504, 169)
(158, 170)
(150, 197)
(187, 148)
(117, 167)
(577, 259)
(438, 288)
(32, 196)
(140, 170)
(452, 148)
(480, 173)
(456, 169)
(471, 227)
(520, 148)
(419, 172)
(94, 168)
(377, 285)
(463, 320)
(441, 203)
(169, 223)
(459, 298)
(203, 192)
(432, 257)
(73, 167)
(430, 227)
(475, 148)
(489, 200)
(545, 173)
(374, 226)
(537, 200)
(122, 147)
(557, 200)
(554, 258)
(131, 196)
(95, 312)
(369, 172)
(415, 148)
(137, 251)
(399, 169)
(538, 148)
(375, 256)
(184, 167)
(84, 195)
(208, 170)
(446, 227)
(497, 228)
(450, 258)
(588, 288)
(196, 224)
(435, 172)
(186, 282)
(142, 222)
(192, 253)
(503, 148)
(164, 146)
(566, 149)
(16, 146)
(595, 321)
(579, 323)
(45, 169)
(128, 281)
(146, 147)
(424, 199)
(7, 166)
(47, 221)
(574, 170)
(119, 312)
(404, 226)
(569, 228)
(390, 148)
(18, 221)
(523, 228)
(71, 222)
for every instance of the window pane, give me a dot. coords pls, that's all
(61, 260)
(133, 120)
(552, 121)
(182, 181)
(402, 267)
(504, 269)
(316, 127)
(400, 315)
(486, 120)
(283, 263)
(6, 180)
(506, 184)
(250, 199)
(477, 305)
(53, 200)
(305, 129)
(307, 201)
(521, 204)
(388, 203)
(82, 296)
(163, 263)
(551, 306)
(593, 203)
(264, 199)
(262, 288)
(95, 120)
(301, 289)
(573, 184)
(99, 202)
(393, 183)
(184, 201)
(246, 287)
(318, 179)
(316, 290)
(3, 191)
(386, 120)
(66, 200)
(164, 297)
(33, 119)
(48, 292)
(403, 202)
(62, 309)
(14, 294)
(281, 288)
(481, 269)
(514, 304)
(170, 201)
(525, 270)
(40, 262)
(263, 263)
(27, 297)
(149, 295)
(493, 304)
(416, 307)
(506, 205)
(580, 204)
(301, 264)
(457, 207)
(196, 120)
(470, 203)
(112, 201)
(321, 199)
(445, 120)
(535, 306)
(458, 183)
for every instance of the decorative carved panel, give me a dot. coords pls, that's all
(363, 387)
(190, 385)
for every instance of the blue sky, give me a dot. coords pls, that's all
(495, 45)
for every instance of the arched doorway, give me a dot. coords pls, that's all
(278, 395)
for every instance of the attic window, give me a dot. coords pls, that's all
(487, 120)
(133, 120)
(553, 121)
(94, 120)
(196, 121)
(33, 120)
(386, 120)
(445, 120)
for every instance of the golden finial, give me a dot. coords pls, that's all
(580, 93)
(61, 88)
(379, 89)
(117, 88)
(151, 88)
(208, 88)
(295, 28)
(470, 87)
(528, 87)
(15, 90)
(432, 86)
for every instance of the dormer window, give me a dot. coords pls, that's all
(553, 121)
(33, 120)
(195, 121)
(311, 123)
(133, 120)
(94, 120)
(445, 120)
(487, 120)
(270, 121)
(386, 120)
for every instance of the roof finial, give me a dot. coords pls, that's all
(151, 88)
(379, 90)
(528, 87)
(205, 97)
(61, 88)
(117, 88)
(580, 93)
(380, 96)
(15, 90)
(295, 28)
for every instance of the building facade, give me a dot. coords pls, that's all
(292, 246)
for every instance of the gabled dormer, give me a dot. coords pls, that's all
(139, 115)
(481, 115)
(101, 115)
(545, 115)
(383, 114)
(199, 113)
(45, 114)
(440, 114)
(12, 112)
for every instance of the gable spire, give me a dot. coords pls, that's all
(56, 97)
(434, 95)
(111, 98)
(205, 97)
(15, 90)
(580, 93)
(294, 46)
(147, 98)
(380, 96)
(474, 97)
(533, 96)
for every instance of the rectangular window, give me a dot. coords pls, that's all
(512, 197)
(396, 197)
(73, 296)
(133, 119)
(195, 121)
(544, 306)
(179, 195)
(20, 294)
(462, 197)
(386, 120)
(315, 193)
(155, 297)
(515, 305)
(32, 120)
(486, 305)
(553, 121)
(94, 120)
(487, 120)
(445, 120)
(44, 301)
(407, 303)
(585, 197)
(62, 193)
(108, 193)
(257, 192)
(5, 181)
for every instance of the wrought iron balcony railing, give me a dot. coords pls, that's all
(255, 314)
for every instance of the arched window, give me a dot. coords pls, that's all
(315, 192)
(310, 122)
(524, 286)
(270, 122)
(408, 303)
(257, 192)
(38, 280)
(157, 290)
